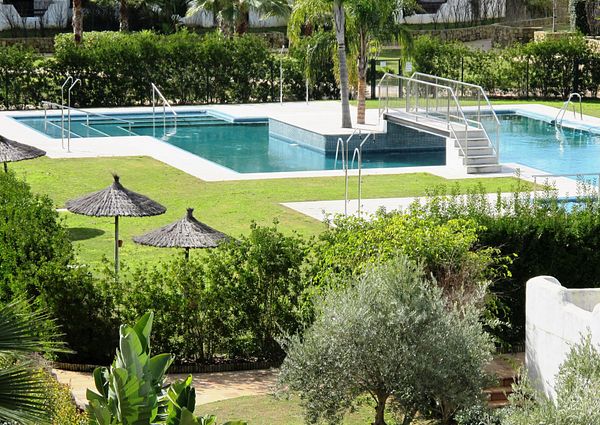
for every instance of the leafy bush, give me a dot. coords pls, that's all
(60, 403)
(37, 262)
(258, 282)
(448, 249)
(546, 237)
(391, 334)
(577, 388)
(185, 306)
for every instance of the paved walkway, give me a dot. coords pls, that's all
(209, 387)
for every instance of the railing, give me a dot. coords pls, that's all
(62, 111)
(345, 161)
(474, 94)
(87, 114)
(561, 114)
(426, 99)
(165, 105)
(595, 184)
(358, 153)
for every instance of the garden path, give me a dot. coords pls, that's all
(210, 387)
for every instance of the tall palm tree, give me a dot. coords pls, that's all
(77, 21)
(371, 21)
(306, 12)
(22, 389)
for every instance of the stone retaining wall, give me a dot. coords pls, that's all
(502, 35)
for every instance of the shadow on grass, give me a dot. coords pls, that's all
(84, 233)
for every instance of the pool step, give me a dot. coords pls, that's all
(484, 169)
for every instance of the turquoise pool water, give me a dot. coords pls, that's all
(243, 147)
(248, 147)
(540, 145)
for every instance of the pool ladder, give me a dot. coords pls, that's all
(561, 114)
(342, 147)
(46, 104)
(165, 104)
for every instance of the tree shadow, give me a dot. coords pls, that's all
(83, 233)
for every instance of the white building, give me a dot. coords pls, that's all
(556, 319)
(33, 14)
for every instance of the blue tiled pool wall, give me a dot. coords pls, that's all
(396, 139)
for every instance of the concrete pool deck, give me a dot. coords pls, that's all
(320, 117)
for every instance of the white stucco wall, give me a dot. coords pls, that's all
(56, 16)
(204, 18)
(459, 11)
(556, 318)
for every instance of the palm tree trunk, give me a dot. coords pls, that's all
(77, 21)
(242, 24)
(340, 35)
(362, 76)
(123, 16)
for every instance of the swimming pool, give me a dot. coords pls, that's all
(538, 144)
(245, 147)
(249, 147)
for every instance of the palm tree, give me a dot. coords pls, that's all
(233, 16)
(77, 21)
(22, 389)
(306, 12)
(370, 21)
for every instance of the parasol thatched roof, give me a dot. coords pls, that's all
(11, 151)
(115, 201)
(185, 233)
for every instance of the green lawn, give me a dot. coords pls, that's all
(266, 410)
(589, 107)
(227, 206)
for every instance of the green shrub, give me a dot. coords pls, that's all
(37, 262)
(185, 306)
(60, 403)
(258, 282)
(389, 334)
(577, 388)
(545, 238)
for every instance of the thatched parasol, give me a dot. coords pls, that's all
(115, 201)
(185, 233)
(11, 151)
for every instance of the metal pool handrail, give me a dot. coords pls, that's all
(547, 176)
(166, 104)
(46, 103)
(563, 110)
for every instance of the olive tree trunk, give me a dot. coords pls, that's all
(362, 76)
(77, 21)
(380, 408)
(340, 35)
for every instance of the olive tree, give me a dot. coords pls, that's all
(389, 334)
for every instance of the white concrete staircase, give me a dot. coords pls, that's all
(477, 151)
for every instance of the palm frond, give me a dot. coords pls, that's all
(23, 396)
(24, 329)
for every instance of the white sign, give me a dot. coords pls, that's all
(408, 67)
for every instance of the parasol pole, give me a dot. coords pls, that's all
(5, 167)
(116, 246)
(187, 254)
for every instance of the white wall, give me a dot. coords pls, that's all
(556, 318)
(204, 18)
(458, 11)
(54, 17)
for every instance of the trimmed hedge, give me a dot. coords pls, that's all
(116, 69)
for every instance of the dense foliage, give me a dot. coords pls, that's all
(389, 333)
(546, 237)
(116, 69)
(234, 301)
(37, 262)
(549, 68)
(577, 388)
